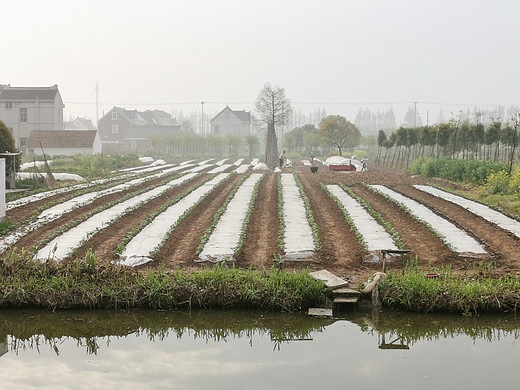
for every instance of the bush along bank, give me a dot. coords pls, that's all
(442, 291)
(88, 283)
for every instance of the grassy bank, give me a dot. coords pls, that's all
(89, 283)
(412, 290)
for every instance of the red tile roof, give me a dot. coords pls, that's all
(61, 138)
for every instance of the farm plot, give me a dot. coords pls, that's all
(454, 237)
(279, 223)
(139, 250)
(225, 238)
(61, 247)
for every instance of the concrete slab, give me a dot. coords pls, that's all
(329, 278)
(320, 312)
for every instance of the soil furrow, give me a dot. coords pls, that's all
(106, 242)
(181, 247)
(341, 251)
(262, 231)
(501, 244)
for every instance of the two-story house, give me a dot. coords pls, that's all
(229, 122)
(131, 131)
(24, 109)
(113, 125)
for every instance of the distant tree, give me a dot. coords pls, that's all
(335, 131)
(7, 144)
(233, 142)
(274, 109)
(186, 126)
(412, 118)
(381, 138)
(252, 142)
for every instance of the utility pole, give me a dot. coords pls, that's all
(202, 119)
(97, 102)
(415, 115)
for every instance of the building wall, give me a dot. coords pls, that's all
(112, 142)
(40, 115)
(232, 125)
(65, 151)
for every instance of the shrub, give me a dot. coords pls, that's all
(498, 183)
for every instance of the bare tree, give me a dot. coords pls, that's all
(274, 109)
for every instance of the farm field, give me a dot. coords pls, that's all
(181, 215)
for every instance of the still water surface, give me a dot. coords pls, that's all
(256, 350)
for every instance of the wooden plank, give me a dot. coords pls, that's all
(342, 300)
(329, 278)
(346, 292)
(320, 312)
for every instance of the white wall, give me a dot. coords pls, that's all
(2, 189)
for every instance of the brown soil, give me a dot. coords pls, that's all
(340, 253)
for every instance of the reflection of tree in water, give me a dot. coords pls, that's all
(36, 329)
(23, 330)
(408, 328)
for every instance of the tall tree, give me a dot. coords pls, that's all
(335, 131)
(274, 109)
(7, 144)
(381, 138)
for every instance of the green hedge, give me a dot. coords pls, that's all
(467, 171)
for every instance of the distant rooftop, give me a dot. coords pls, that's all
(28, 93)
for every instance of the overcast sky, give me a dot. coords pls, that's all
(338, 54)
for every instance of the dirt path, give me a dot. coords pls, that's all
(105, 243)
(501, 245)
(341, 252)
(180, 249)
(262, 232)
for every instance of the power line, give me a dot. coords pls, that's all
(365, 103)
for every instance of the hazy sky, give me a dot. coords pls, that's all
(167, 54)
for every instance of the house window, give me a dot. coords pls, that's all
(23, 114)
(217, 129)
(133, 144)
(115, 129)
(8, 104)
(23, 142)
(226, 114)
(114, 115)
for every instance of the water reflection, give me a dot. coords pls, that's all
(255, 350)
(34, 329)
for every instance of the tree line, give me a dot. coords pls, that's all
(464, 140)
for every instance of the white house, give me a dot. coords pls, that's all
(79, 124)
(229, 122)
(64, 142)
(24, 109)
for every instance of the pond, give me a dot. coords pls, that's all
(217, 349)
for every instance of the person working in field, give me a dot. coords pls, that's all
(282, 159)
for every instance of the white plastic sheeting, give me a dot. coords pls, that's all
(62, 245)
(375, 236)
(224, 239)
(138, 249)
(43, 195)
(260, 167)
(220, 168)
(476, 208)
(456, 238)
(242, 168)
(298, 233)
(57, 176)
